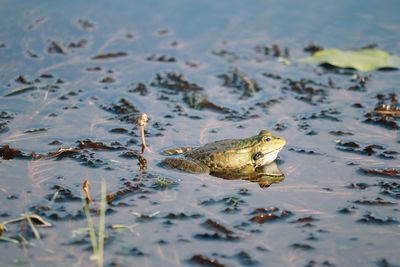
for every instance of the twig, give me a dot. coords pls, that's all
(142, 121)
(85, 188)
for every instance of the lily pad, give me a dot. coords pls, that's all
(361, 59)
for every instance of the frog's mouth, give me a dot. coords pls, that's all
(261, 159)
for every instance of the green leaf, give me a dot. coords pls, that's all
(362, 59)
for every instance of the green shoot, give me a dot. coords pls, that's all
(97, 240)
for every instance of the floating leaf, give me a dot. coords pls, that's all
(362, 59)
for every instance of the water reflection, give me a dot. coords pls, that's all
(264, 176)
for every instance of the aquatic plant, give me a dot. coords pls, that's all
(163, 182)
(97, 241)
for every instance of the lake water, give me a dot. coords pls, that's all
(86, 70)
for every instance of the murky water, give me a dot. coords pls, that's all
(88, 70)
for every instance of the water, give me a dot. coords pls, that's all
(206, 39)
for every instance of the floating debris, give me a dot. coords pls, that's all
(375, 202)
(206, 261)
(200, 101)
(312, 48)
(314, 263)
(230, 201)
(161, 58)
(5, 118)
(262, 215)
(372, 218)
(330, 114)
(305, 151)
(181, 216)
(390, 189)
(358, 186)
(133, 251)
(282, 54)
(229, 55)
(107, 79)
(220, 232)
(241, 82)
(347, 210)
(85, 24)
(7, 153)
(213, 225)
(140, 88)
(128, 188)
(388, 172)
(245, 258)
(176, 82)
(301, 246)
(364, 149)
(37, 130)
(385, 263)
(360, 82)
(340, 133)
(386, 112)
(134, 154)
(56, 48)
(62, 193)
(112, 55)
(125, 111)
(306, 219)
(88, 144)
(78, 44)
(306, 90)
(118, 130)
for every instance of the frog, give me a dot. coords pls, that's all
(237, 157)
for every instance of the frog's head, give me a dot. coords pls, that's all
(266, 148)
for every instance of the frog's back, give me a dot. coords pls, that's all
(223, 146)
(224, 154)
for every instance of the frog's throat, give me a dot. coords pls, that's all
(268, 158)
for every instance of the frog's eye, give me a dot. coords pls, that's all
(267, 139)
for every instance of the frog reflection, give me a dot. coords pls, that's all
(264, 176)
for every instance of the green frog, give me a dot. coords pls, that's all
(230, 157)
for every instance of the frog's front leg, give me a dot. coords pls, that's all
(177, 150)
(185, 165)
(243, 172)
